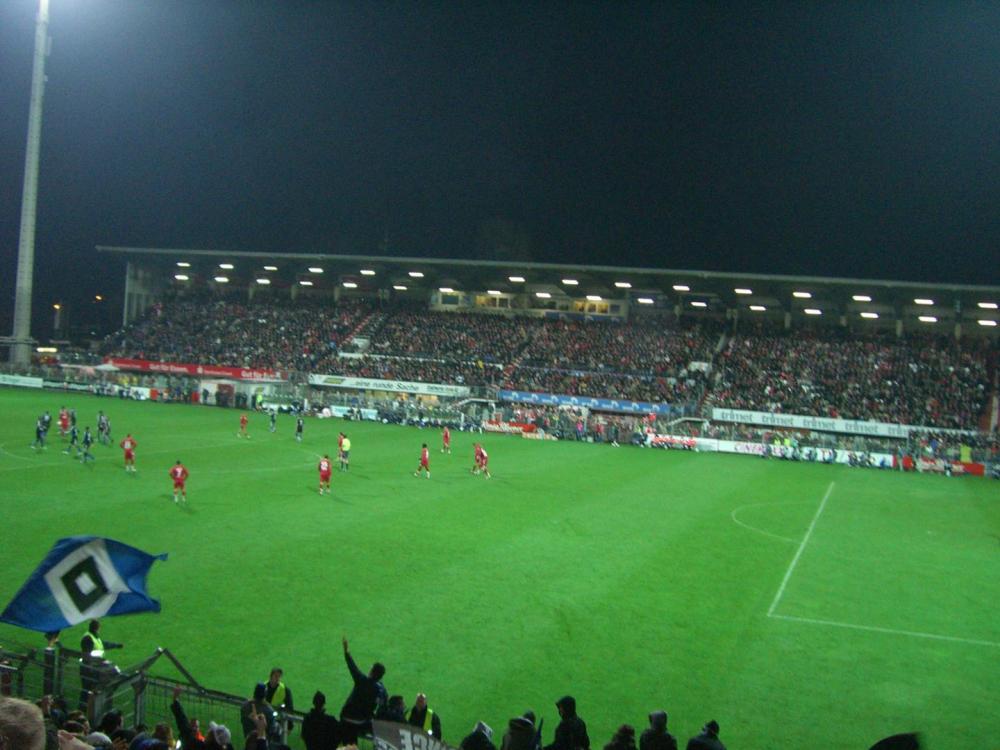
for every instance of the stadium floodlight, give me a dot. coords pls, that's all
(758, 308)
(181, 276)
(927, 319)
(542, 295)
(399, 287)
(270, 268)
(623, 285)
(923, 301)
(305, 282)
(987, 305)
(743, 290)
(593, 298)
(802, 295)
(493, 292)
(263, 281)
(516, 279)
(416, 274)
(367, 272)
(987, 322)
(315, 269)
(222, 279)
(46, 349)
(226, 266)
(350, 285)
(446, 290)
(98, 298)
(869, 315)
(645, 300)
(183, 264)
(570, 282)
(861, 298)
(57, 306)
(682, 288)
(698, 303)
(813, 311)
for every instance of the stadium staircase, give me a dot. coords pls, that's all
(143, 692)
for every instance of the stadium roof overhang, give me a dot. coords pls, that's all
(717, 290)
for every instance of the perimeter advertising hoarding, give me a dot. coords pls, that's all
(390, 735)
(822, 424)
(197, 371)
(601, 404)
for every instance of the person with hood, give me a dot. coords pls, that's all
(623, 739)
(480, 739)
(708, 739)
(521, 733)
(571, 734)
(367, 696)
(657, 737)
(394, 710)
(320, 731)
(258, 705)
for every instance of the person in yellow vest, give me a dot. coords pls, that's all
(278, 695)
(92, 644)
(425, 718)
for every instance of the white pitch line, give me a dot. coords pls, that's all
(889, 631)
(798, 553)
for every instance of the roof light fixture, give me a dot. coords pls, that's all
(183, 264)
(758, 308)
(263, 281)
(570, 282)
(743, 290)
(645, 300)
(181, 276)
(869, 315)
(812, 311)
(226, 266)
(802, 295)
(682, 288)
(593, 298)
(350, 285)
(367, 272)
(416, 274)
(987, 322)
(399, 287)
(698, 303)
(305, 282)
(493, 292)
(623, 285)
(516, 279)
(446, 290)
(315, 269)
(927, 319)
(861, 298)
(270, 268)
(222, 279)
(542, 295)
(987, 305)
(923, 301)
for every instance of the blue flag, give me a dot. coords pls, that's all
(83, 577)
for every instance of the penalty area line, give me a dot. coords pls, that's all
(888, 631)
(798, 552)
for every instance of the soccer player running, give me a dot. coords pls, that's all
(484, 462)
(39, 434)
(299, 426)
(476, 458)
(446, 440)
(128, 445)
(74, 441)
(88, 440)
(179, 473)
(425, 462)
(63, 422)
(325, 469)
(274, 421)
(345, 453)
(243, 427)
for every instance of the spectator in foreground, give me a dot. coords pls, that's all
(657, 737)
(708, 739)
(21, 725)
(571, 734)
(218, 736)
(521, 733)
(367, 696)
(481, 738)
(623, 739)
(320, 731)
(257, 705)
(424, 717)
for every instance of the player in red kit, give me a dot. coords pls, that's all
(484, 462)
(243, 426)
(425, 462)
(476, 458)
(179, 473)
(63, 422)
(446, 440)
(128, 445)
(325, 468)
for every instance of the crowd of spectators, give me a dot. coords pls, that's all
(916, 380)
(913, 380)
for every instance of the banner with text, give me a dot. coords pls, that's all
(21, 380)
(198, 371)
(601, 404)
(823, 424)
(390, 735)
(396, 386)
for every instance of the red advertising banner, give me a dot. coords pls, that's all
(514, 428)
(198, 371)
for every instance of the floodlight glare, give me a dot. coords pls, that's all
(181, 276)
(542, 295)
(516, 279)
(987, 305)
(226, 266)
(812, 311)
(682, 288)
(869, 315)
(923, 301)
(698, 303)
(802, 295)
(570, 282)
(594, 297)
(927, 319)
(446, 290)
(263, 282)
(861, 298)
(758, 308)
(350, 285)
(222, 279)
(416, 274)
(986, 322)
(399, 287)
(645, 300)
(623, 285)
(183, 264)
(740, 290)
(367, 272)
(270, 268)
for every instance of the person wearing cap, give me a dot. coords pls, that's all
(481, 738)
(218, 736)
(708, 739)
(367, 696)
(424, 717)
(571, 734)
(657, 737)
(259, 705)
(320, 731)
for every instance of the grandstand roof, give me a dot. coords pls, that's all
(718, 290)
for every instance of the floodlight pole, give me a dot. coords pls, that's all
(20, 350)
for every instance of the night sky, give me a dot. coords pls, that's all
(851, 139)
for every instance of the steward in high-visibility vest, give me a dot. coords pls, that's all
(91, 643)
(423, 717)
(279, 696)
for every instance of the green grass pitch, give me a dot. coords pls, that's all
(633, 579)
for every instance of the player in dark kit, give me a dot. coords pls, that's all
(88, 440)
(274, 421)
(74, 441)
(299, 426)
(39, 434)
(425, 462)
